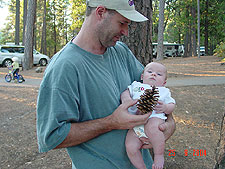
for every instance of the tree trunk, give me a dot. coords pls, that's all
(140, 34)
(35, 35)
(190, 22)
(194, 45)
(66, 27)
(43, 37)
(55, 35)
(187, 36)
(24, 19)
(186, 44)
(160, 54)
(199, 37)
(29, 35)
(54, 27)
(35, 30)
(220, 152)
(206, 26)
(179, 31)
(17, 24)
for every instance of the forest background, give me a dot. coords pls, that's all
(58, 21)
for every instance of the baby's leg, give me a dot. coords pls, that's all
(157, 140)
(133, 146)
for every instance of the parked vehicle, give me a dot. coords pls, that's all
(7, 52)
(202, 50)
(169, 49)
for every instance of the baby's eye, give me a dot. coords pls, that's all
(149, 71)
(159, 74)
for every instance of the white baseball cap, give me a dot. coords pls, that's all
(124, 7)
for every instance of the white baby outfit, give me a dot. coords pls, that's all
(136, 90)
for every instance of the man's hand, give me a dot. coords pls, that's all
(167, 128)
(145, 143)
(121, 119)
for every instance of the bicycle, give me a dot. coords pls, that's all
(17, 76)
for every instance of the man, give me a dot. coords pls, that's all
(79, 98)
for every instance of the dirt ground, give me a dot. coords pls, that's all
(198, 116)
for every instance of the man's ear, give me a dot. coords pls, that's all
(100, 11)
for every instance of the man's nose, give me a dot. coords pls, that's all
(125, 31)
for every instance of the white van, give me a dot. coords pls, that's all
(7, 52)
(169, 49)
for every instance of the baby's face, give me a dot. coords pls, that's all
(154, 74)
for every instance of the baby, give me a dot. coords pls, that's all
(155, 74)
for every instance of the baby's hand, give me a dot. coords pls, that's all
(161, 107)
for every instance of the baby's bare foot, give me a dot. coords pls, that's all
(158, 162)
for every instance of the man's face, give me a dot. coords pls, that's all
(154, 74)
(112, 27)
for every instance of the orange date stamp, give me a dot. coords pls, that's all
(193, 152)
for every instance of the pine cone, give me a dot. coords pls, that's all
(148, 100)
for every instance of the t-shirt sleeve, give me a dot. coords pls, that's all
(168, 98)
(56, 109)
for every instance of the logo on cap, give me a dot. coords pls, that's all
(131, 2)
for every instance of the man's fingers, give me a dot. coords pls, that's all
(146, 143)
(142, 118)
(146, 146)
(167, 128)
(133, 102)
(144, 140)
(130, 103)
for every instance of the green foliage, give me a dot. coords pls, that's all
(220, 50)
(78, 13)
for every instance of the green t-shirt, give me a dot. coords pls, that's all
(80, 86)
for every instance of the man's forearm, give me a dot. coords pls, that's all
(171, 126)
(84, 131)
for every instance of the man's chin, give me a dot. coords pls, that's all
(112, 44)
